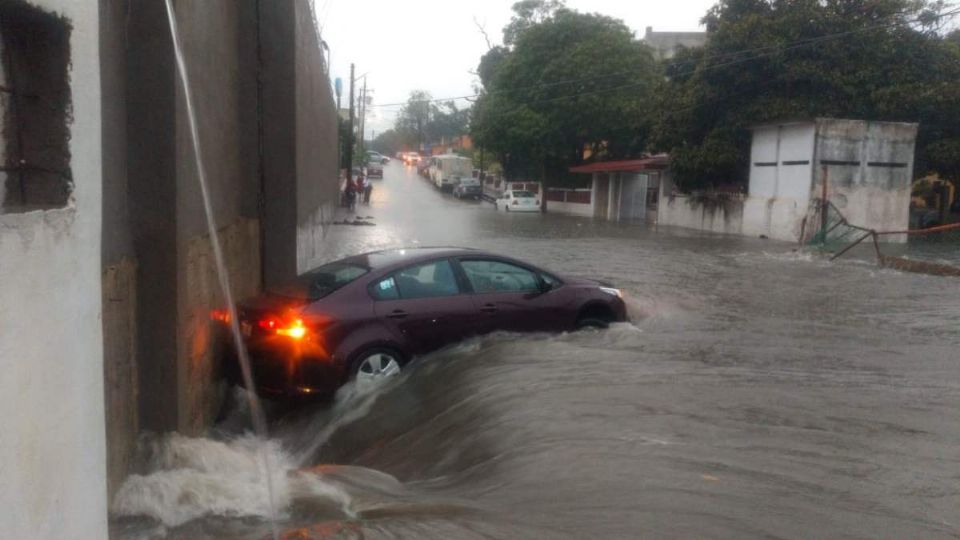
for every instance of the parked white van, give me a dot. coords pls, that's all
(447, 169)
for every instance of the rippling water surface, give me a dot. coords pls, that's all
(759, 392)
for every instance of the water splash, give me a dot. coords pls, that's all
(189, 478)
(259, 420)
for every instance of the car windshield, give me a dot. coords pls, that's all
(320, 282)
(522, 195)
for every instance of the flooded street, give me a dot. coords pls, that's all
(759, 392)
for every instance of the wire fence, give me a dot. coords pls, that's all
(934, 250)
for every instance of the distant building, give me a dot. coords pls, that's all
(449, 146)
(621, 190)
(666, 44)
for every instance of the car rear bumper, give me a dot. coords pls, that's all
(524, 208)
(284, 367)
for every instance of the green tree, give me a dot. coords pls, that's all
(768, 60)
(566, 82)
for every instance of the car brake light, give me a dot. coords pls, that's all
(269, 324)
(221, 315)
(294, 330)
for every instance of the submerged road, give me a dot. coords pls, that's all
(761, 393)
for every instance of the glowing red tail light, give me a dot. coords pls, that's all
(269, 323)
(292, 328)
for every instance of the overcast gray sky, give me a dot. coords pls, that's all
(434, 44)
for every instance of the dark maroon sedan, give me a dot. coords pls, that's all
(367, 316)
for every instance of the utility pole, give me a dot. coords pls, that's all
(350, 130)
(363, 119)
(338, 87)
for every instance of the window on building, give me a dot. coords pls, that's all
(35, 107)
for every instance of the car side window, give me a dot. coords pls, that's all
(385, 289)
(487, 276)
(428, 280)
(550, 280)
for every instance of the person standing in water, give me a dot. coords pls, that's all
(367, 189)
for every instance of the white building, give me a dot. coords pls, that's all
(666, 44)
(864, 168)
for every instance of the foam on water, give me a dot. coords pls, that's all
(190, 478)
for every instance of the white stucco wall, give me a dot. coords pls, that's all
(574, 209)
(680, 211)
(781, 165)
(874, 190)
(52, 447)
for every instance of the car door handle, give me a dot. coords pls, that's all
(397, 314)
(489, 308)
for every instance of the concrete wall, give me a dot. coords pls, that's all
(119, 269)
(316, 144)
(574, 209)
(691, 213)
(210, 37)
(867, 167)
(268, 134)
(300, 140)
(781, 165)
(52, 449)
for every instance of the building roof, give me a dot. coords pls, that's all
(657, 162)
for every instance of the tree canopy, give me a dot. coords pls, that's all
(422, 120)
(768, 60)
(564, 82)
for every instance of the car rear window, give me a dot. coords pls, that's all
(320, 282)
(522, 195)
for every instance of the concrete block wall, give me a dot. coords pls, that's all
(200, 374)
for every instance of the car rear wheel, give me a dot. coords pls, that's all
(377, 365)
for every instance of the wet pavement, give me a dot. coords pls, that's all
(760, 392)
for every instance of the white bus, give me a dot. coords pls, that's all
(447, 169)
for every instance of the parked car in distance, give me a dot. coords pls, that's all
(365, 317)
(515, 200)
(467, 188)
(378, 157)
(374, 169)
(423, 168)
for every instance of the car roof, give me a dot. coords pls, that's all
(389, 258)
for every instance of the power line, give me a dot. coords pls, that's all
(777, 50)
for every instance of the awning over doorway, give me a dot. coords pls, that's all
(656, 163)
